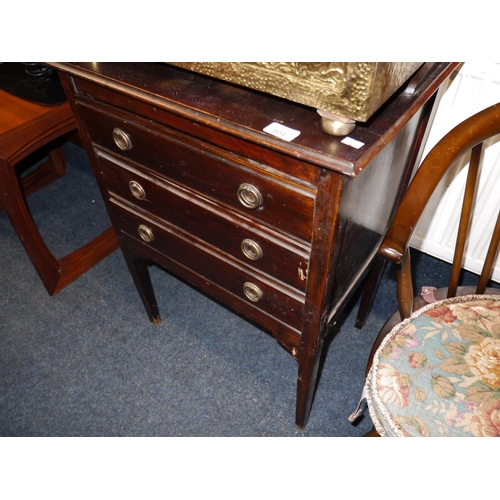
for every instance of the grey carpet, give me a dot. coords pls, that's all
(87, 362)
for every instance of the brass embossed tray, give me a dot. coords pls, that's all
(342, 92)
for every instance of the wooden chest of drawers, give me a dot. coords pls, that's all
(280, 231)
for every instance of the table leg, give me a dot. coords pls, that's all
(370, 291)
(309, 360)
(140, 274)
(55, 274)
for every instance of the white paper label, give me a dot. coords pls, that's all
(352, 142)
(281, 131)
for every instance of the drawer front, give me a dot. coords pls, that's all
(283, 259)
(250, 188)
(250, 287)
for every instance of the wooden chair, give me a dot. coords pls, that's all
(434, 369)
(24, 128)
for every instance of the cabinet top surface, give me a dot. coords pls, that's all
(245, 113)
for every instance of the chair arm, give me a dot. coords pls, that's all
(452, 146)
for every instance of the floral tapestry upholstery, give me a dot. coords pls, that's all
(438, 372)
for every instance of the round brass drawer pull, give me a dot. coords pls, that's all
(251, 249)
(145, 233)
(252, 292)
(137, 190)
(249, 196)
(122, 139)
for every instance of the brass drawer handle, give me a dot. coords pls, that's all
(251, 249)
(122, 139)
(137, 190)
(252, 292)
(145, 233)
(249, 196)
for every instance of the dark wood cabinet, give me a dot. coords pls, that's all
(280, 231)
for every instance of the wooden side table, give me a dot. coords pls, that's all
(24, 128)
(198, 180)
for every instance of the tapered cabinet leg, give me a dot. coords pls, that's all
(309, 360)
(369, 291)
(140, 274)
